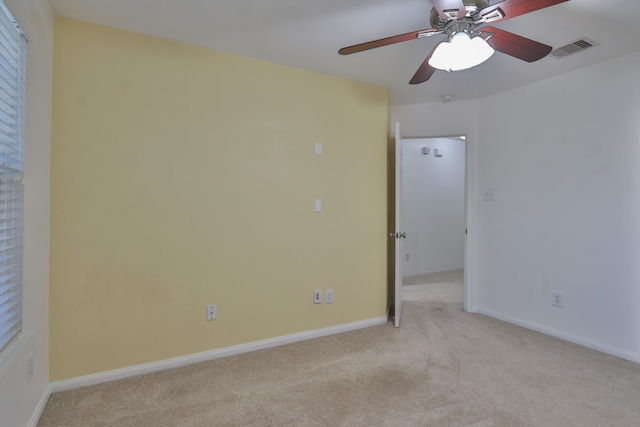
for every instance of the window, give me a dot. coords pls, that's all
(12, 84)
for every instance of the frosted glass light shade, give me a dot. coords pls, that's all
(460, 53)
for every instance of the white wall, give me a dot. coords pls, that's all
(22, 401)
(433, 205)
(563, 156)
(437, 119)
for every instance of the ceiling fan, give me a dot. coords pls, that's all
(467, 44)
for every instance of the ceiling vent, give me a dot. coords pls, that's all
(580, 45)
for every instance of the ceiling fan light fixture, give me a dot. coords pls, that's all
(461, 53)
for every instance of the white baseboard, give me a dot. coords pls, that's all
(566, 336)
(37, 413)
(175, 362)
(435, 271)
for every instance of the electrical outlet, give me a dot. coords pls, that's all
(212, 312)
(557, 299)
(30, 358)
(328, 296)
(317, 296)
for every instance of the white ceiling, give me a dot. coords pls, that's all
(308, 33)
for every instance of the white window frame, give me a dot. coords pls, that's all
(12, 130)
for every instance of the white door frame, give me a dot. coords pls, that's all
(470, 194)
(399, 234)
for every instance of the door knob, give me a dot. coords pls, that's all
(398, 235)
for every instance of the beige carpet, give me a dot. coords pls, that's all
(443, 367)
(445, 287)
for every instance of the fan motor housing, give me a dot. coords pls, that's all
(472, 6)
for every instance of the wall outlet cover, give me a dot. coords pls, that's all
(212, 312)
(489, 195)
(557, 299)
(328, 296)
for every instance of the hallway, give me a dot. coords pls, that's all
(447, 287)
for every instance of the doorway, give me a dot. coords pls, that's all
(434, 218)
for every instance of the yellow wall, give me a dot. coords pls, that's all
(182, 177)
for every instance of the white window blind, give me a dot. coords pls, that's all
(12, 84)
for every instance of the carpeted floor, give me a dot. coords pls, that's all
(445, 287)
(443, 367)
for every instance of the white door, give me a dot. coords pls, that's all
(399, 234)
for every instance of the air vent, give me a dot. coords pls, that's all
(580, 45)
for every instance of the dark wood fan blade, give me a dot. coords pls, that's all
(513, 8)
(514, 45)
(386, 41)
(445, 5)
(425, 71)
